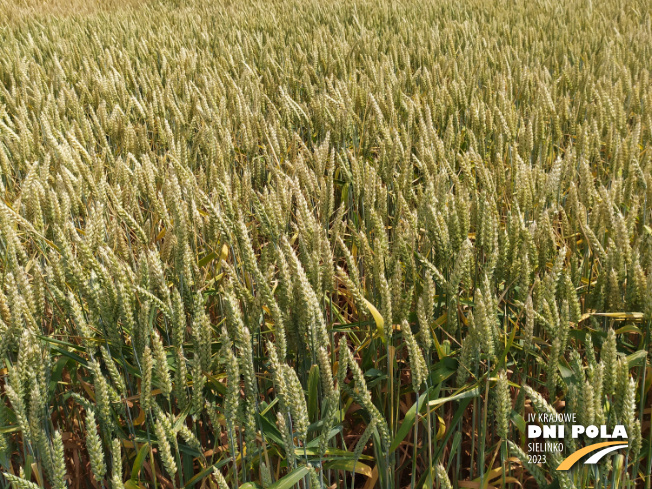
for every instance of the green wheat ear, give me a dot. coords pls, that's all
(94, 446)
(19, 482)
(502, 405)
(442, 477)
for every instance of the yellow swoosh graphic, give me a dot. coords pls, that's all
(575, 456)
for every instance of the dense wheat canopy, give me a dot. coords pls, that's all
(322, 244)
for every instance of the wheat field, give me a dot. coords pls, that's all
(301, 244)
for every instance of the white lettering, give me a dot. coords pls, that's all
(533, 431)
(577, 430)
(619, 431)
(603, 432)
(550, 431)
